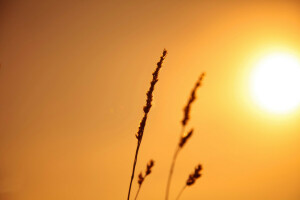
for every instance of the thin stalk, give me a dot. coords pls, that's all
(181, 191)
(172, 167)
(133, 169)
(137, 193)
(171, 172)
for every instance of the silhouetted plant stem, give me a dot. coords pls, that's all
(133, 169)
(191, 179)
(142, 177)
(171, 172)
(146, 109)
(173, 166)
(137, 193)
(181, 191)
(183, 138)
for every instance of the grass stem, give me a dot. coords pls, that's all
(178, 148)
(146, 109)
(137, 193)
(181, 191)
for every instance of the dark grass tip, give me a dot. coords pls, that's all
(194, 176)
(185, 138)
(192, 98)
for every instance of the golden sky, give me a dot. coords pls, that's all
(73, 79)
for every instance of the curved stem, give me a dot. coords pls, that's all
(171, 172)
(133, 169)
(172, 166)
(181, 191)
(137, 193)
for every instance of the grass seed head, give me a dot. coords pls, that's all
(141, 179)
(185, 138)
(194, 176)
(149, 167)
(192, 98)
(149, 95)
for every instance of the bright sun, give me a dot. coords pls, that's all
(275, 83)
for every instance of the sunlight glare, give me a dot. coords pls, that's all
(275, 83)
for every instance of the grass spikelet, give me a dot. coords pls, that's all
(146, 109)
(148, 105)
(141, 178)
(185, 138)
(194, 176)
(149, 167)
(191, 179)
(192, 98)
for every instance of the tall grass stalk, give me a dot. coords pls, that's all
(183, 138)
(146, 109)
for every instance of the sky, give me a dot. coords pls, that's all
(73, 82)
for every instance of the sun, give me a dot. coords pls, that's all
(275, 83)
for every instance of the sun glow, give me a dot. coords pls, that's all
(275, 83)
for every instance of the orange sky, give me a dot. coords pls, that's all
(73, 79)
